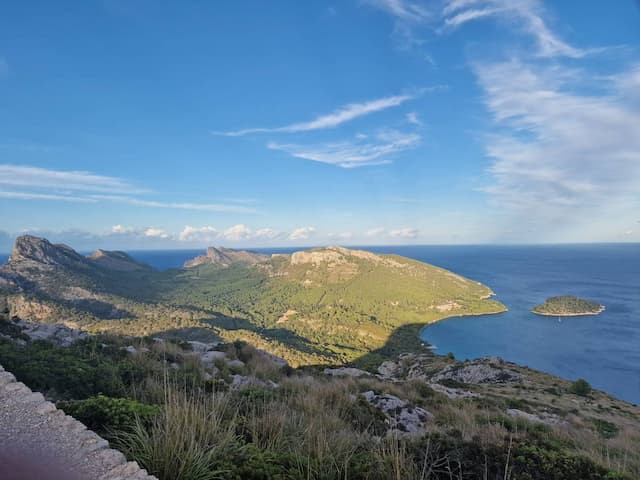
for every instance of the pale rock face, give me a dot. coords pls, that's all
(402, 417)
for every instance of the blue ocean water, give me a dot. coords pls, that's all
(603, 349)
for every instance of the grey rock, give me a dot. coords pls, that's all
(58, 334)
(402, 417)
(477, 373)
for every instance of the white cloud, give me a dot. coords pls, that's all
(198, 234)
(237, 232)
(413, 118)
(342, 115)
(267, 233)
(358, 153)
(302, 233)
(122, 230)
(375, 232)
(561, 153)
(402, 9)
(528, 14)
(155, 233)
(404, 233)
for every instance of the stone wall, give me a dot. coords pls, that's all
(35, 431)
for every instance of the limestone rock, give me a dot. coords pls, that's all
(225, 257)
(403, 418)
(55, 333)
(477, 372)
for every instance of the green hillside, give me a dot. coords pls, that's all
(328, 305)
(568, 305)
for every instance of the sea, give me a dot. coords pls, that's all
(603, 349)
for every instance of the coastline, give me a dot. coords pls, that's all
(427, 325)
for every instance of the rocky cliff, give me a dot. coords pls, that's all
(225, 257)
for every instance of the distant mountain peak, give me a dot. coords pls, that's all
(28, 248)
(225, 257)
(116, 260)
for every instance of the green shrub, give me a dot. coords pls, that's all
(580, 387)
(605, 429)
(106, 414)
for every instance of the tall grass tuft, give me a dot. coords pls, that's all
(191, 439)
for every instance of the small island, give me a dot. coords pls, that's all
(568, 306)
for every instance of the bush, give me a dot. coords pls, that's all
(605, 429)
(106, 414)
(580, 387)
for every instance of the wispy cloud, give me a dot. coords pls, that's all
(64, 180)
(405, 10)
(404, 233)
(344, 114)
(302, 233)
(565, 154)
(354, 153)
(207, 207)
(35, 183)
(526, 14)
(413, 118)
(43, 196)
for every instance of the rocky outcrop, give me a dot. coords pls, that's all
(478, 372)
(56, 333)
(225, 257)
(402, 417)
(30, 424)
(30, 250)
(453, 393)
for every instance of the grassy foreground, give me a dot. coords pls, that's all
(161, 408)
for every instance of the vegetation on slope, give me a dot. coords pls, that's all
(159, 407)
(329, 305)
(568, 305)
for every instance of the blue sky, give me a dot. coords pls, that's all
(146, 124)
